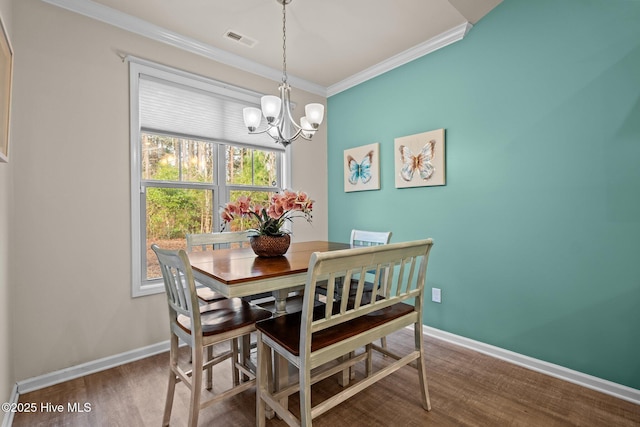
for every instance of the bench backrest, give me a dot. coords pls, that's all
(406, 264)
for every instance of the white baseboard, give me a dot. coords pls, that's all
(7, 420)
(77, 371)
(608, 387)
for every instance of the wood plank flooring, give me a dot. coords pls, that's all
(467, 389)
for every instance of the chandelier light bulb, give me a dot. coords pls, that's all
(307, 129)
(315, 114)
(270, 107)
(252, 117)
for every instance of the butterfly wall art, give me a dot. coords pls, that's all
(362, 168)
(420, 159)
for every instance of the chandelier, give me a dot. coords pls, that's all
(277, 110)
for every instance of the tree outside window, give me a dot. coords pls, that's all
(180, 188)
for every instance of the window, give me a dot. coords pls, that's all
(190, 154)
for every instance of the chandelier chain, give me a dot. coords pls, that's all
(284, 42)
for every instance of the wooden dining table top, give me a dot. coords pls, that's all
(241, 265)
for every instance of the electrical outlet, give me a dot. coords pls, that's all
(436, 295)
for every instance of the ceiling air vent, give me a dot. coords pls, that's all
(239, 38)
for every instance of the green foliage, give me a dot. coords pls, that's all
(173, 212)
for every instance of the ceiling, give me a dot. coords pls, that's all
(331, 44)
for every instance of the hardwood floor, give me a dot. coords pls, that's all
(467, 389)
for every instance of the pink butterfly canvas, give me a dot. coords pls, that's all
(419, 159)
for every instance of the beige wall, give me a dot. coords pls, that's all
(70, 258)
(7, 378)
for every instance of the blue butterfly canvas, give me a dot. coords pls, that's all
(362, 168)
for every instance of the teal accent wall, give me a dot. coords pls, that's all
(537, 230)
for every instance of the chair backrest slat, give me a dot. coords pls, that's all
(179, 286)
(369, 238)
(217, 240)
(410, 258)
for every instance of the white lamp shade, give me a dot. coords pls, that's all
(252, 117)
(315, 114)
(307, 130)
(270, 107)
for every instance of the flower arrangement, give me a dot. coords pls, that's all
(270, 219)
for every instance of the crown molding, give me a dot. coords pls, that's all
(143, 28)
(444, 39)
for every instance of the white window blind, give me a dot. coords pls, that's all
(171, 107)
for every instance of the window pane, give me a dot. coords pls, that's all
(257, 197)
(264, 168)
(165, 158)
(159, 158)
(171, 214)
(197, 161)
(246, 166)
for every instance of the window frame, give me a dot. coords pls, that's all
(221, 190)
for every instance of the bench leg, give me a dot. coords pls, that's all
(422, 370)
(369, 350)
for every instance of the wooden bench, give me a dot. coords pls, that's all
(323, 338)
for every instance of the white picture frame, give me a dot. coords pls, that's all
(6, 74)
(362, 168)
(420, 160)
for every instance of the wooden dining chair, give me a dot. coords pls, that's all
(369, 238)
(310, 339)
(222, 320)
(360, 238)
(204, 241)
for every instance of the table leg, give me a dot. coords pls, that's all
(281, 301)
(280, 364)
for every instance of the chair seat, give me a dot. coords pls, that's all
(208, 295)
(225, 315)
(285, 330)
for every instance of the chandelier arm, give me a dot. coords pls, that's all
(282, 140)
(285, 94)
(305, 137)
(297, 134)
(293, 122)
(258, 132)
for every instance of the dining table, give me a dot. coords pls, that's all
(239, 272)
